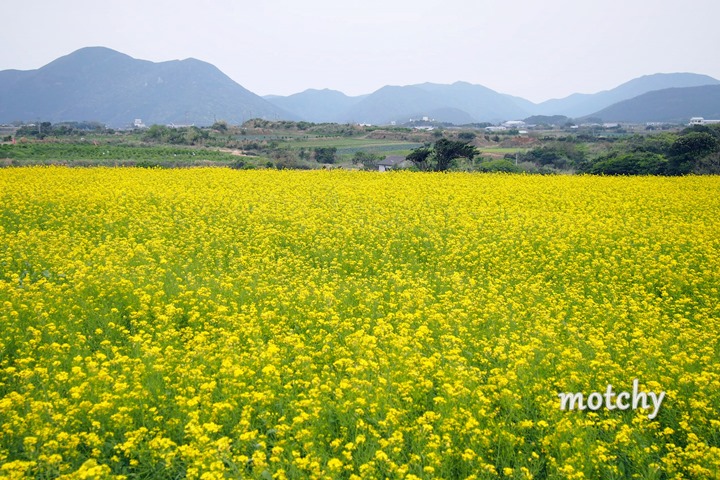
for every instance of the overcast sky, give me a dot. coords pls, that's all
(533, 49)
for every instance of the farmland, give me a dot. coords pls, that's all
(260, 144)
(88, 154)
(214, 323)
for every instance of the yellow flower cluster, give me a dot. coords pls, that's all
(208, 323)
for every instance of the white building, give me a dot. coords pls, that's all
(701, 121)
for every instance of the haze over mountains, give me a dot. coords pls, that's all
(670, 104)
(463, 103)
(100, 84)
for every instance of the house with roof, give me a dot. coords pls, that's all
(390, 162)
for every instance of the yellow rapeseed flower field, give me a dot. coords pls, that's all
(210, 323)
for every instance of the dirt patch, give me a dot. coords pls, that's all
(233, 151)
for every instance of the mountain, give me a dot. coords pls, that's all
(482, 103)
(458, 103)
(676, 105)
(580, 104)
(100, 84)
(462, 102)
(391, 103)
(315, 105)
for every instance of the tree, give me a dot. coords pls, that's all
(696, 144)
(420, 157)
(156, 133)
(325, 154)
(40, 130)
(709, 165)
(221, 126)
(689, 149)
(441, 156)
(466, 136)
(366, 159)
(559, 155)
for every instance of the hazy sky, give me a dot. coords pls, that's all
(534, 49)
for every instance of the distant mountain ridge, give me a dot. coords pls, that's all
(463, 103)
(97, 83)
(315, 105)
(672, 105)
(458, 103)
(100, 84)
(579, 104)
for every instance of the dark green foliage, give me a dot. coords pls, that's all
(220, 126)
(41, 130)
(148, 164)
(466, 136)
(325, 154)
(694, 144)
(319, 129)
(447, 151)
(638, 163)
(688, 150)
(287, 158)
(442, 155)
(560, 155)
(715, 130)
(694, 150)
(502, 165)
(696, 129)
(176, 136)
(65, 129)
(238, 164)
(709, 165)
(657, 143)
(421, 158)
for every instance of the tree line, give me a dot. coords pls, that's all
(693, 150)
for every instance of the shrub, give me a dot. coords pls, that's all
(638, 163)
(499, 166)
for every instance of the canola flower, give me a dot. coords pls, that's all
(209, 323)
